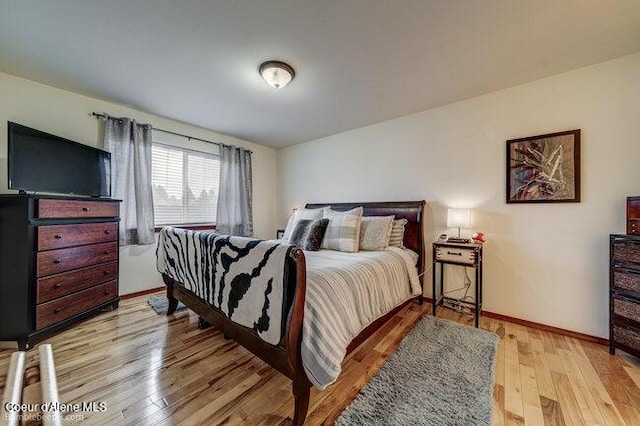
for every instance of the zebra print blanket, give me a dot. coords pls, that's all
(243, 277)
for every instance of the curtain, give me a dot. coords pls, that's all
(130, 146)
(235, 216)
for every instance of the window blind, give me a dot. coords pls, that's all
(185, 186)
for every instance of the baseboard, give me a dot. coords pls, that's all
(543, 327)
(142, 293)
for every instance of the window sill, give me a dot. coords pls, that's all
(201, 227)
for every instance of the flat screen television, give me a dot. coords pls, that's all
(41, 162)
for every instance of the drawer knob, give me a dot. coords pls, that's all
(106, 292)
(57, 310)
(106, 272)
(58, 236)
(57, 261)
(107, 232)
(57, 286)
(85, 209)
(107, 252)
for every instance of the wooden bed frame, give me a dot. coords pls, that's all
(286, 356)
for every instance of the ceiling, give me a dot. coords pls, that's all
(358, 62)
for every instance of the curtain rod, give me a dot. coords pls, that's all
(98, 115)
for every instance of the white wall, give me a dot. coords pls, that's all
(64, 113)
(546, 263)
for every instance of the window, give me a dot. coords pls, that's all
(185, 186)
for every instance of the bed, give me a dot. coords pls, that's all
(291, 344)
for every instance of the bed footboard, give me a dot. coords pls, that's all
(284, 357)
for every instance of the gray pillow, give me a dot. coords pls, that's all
(397, 233)
(343, 232)
(375, 232)
(308, 234)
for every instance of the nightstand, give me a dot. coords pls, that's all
(468, 255)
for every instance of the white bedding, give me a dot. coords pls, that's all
(345, 293)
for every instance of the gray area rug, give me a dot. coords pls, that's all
(160, 304)
(441, 374)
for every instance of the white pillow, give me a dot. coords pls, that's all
(375, 232)
(397, 233)
(343, 231)
(301, 213)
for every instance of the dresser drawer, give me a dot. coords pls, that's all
(55, 286)
(626, 335)
(59, 236)
(626, 251)
(627, 280)
(456, 255)
(60, 309)
(61, 260)
(48, 209)
(626, 307)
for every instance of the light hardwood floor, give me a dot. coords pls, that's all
(151, 369)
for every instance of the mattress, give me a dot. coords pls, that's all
(345, 293)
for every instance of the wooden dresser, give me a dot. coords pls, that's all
(624, 294)
(58, 263)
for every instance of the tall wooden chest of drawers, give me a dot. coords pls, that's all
(58, 263)
(624, 294)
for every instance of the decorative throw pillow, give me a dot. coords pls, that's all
(375, 232)
(308, 234)
(299, 232)
(397, 233)
(343, 231)
(298, 214)
(315, 234)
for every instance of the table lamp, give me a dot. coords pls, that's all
(459, 218)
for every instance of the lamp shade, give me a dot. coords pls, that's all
(459, 218)
(277, 74)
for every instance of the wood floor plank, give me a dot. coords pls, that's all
(497, 415)
(541, 366)
(603, 400)
(634, 373)
(571, 411)
(581, 391)
(500, 365)
(531, 397)
(511, 419)
(513, 388)
(613, 376)
(551, 411)
(158, 370)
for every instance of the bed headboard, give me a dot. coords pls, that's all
(413, 211)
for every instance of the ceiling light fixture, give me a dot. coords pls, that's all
(276, 73)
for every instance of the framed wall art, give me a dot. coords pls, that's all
(544, 169)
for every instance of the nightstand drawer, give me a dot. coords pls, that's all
(456, 254)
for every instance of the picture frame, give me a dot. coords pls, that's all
(544, 168)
